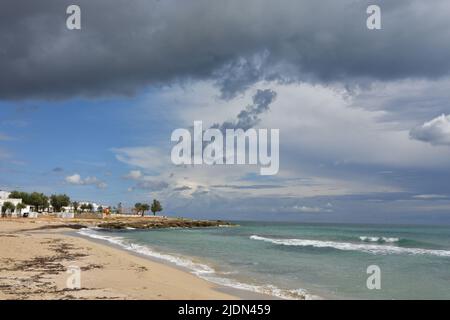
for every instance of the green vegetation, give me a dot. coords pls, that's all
(141, 208)
(35, 199)
(86, 207)
(58, 201)
(40, 201)
(7, 206)
(156, 206)
(20, 207)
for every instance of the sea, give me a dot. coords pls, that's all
(304, 260)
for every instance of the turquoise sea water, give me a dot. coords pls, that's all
(292, 260)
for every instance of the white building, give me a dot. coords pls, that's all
(95, 206)
(4, 197)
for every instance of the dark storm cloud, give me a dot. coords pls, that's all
(236, 76)
(408, 103)
(250, 116)
(124, 46)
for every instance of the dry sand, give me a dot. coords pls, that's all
(34, 264)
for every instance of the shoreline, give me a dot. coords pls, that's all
(34, 265)
(235, 292)
(34, 261)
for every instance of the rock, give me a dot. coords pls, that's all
(146, 223)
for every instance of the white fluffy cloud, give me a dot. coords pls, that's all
(76, 179)
(435, 131)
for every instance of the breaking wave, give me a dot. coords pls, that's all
(379, 239)
(347, 246)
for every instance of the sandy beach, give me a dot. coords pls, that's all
(34, 264)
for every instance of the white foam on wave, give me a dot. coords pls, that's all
(346, 246)
(201, 270)
(379, 239)
(197, 268)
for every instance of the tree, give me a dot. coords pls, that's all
(20, 207)
(90, 207)
(141, 208)
(100, 209)
(156, 206)
(144, 207)
(7, 206)
(35, 199)
(38, 200)
(84, 207)
(15, 195)
(137, 207)
(75, 206)
(20, 195)
(58, 201)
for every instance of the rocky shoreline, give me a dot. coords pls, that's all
(162, 223)
(139, 223)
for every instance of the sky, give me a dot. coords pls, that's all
(364, 115)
